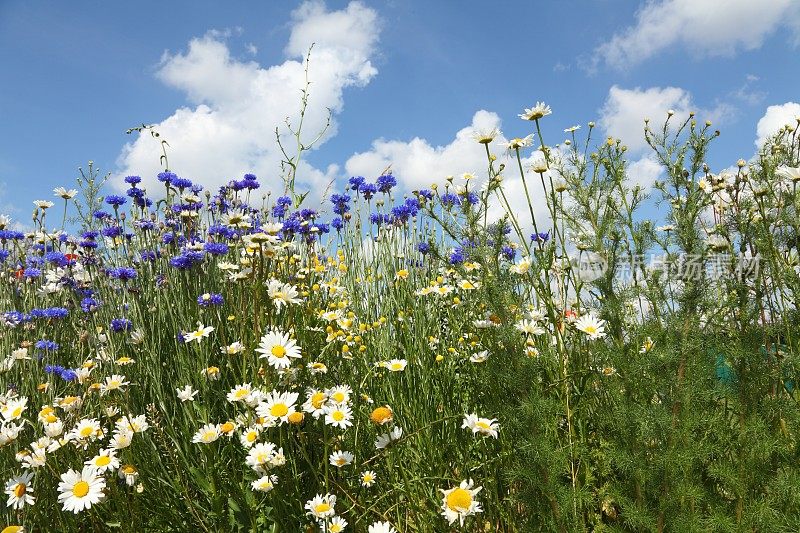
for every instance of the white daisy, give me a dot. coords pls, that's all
(340, 458)
(278, 348)
(338, 415)
(80, 490)
(104, 460)
(186, 394)
(207, 434)
(321, 507)
(20, 491)
(592, 326)
(277, 406)
(477, 424)
(459, 502)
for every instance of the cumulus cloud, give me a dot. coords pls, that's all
(776, 117)
(704, 27)
(624, 111)
(235, 105)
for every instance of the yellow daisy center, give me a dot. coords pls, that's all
(338, 397)
(322, 508)
(128, 470)
(397, 366)
(459, 500)
(88, 430)
(12, 529)
(103, 460)
(590, 329)
(380, 415)
(227, 427)
(241, 393)
(80, 489)
(251, 437)
(209, 435)
(296, 417)
(20, 489)
(338, 416)
(482, 425)
(317, 399)
(278, 410)
(278, 351)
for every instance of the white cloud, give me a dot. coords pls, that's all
(624, 111)
(236, 105)
(776, 117)
(644, 172)
(703, 27)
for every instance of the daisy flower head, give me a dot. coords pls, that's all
(480, 425)
(536, 112)
(395, 365)
(80, 490)
(121, 439)
(136, 424)
(338, 415)
(279, 349)
(114, 382)
(20, 491)
(382, 527)
(186, 394)
(339, 394)
(335, 525)
(261, 456)
(387, 438)
(129, 474)
(277, 406)
(282, 294)
(479, 357)
(211, 373)
(459, 502)
(517, 143)
(249, 436)
(368, 478)
(321, 507)
(233, 349)
(240, 393)
(485, 136)
(315, 402)
(207, 434)
(592, 326)
(199, 334)
(382, 415)
(104, 460)
(265, 483)
(86, 430)
(14, 408)
(340, 458)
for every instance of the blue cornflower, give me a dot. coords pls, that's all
(508, 252)
(181, 183)
(356, 182)
(56, 258)
(423, 248)
(541, 237)
(216, 248)
(208, 299)
(121, 324)
(31, 272)
(89, 305)
(425, 193)
(112, 231)
(122, 273)
(115, 200)
(46, 345)
(166, 177)
(337, 223)
(450, 199)
(132, 180)
(385, 183)
(368, 190)
(341, 203)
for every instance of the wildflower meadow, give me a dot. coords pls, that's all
(238, 359)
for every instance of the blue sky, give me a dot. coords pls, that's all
(407, 81)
